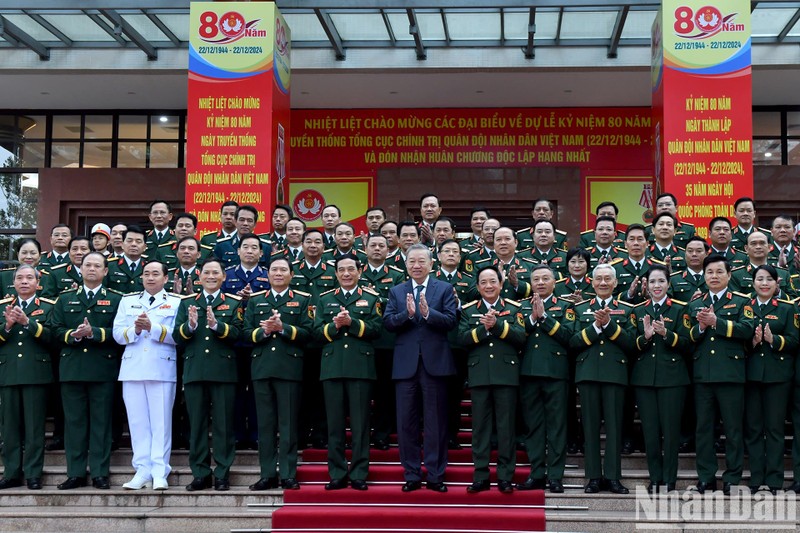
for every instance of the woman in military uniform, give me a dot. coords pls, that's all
(770, 368)
(660, 377)
(29, 252)
(25, 372)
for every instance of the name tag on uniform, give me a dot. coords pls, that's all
(326, 277)
(103, 302)
(224, 307)
(292, 304)
(462, 284)
(38, 312)
(616, 312)
(729, 306)
(771, 317)
(362, 303)
(165, 306)
(262, 279)
(386, 280)
(554, 309)
(136, 306)
(262, 304)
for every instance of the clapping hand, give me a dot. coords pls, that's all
(489, 319)
(142, 322)
(342, 319)
(82, 331)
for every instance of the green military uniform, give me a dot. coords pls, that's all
(567, 286)
(739, 237)
(210, 239)
(770, 369)
(523, 268)
(588, 240)
(288, 253)
(774, 255)
(50, 259)
(62, 277)
(601, 373)
(742, 280)
(627, 271)
(733, 256)
(396, 260)
(193, 275)
(329, 256)
(544, 388)
(25, 372)
(493, 366)
(7, 281)
(683, 232)
(88, 372)
(167, 253)
(614, 253)
(121, 278)
(555, 258)
(525, 239)
(347, 374)
(660, 377)
(277, 373)
(719, 377)
(683, 285)
(470, 243)
(209, 380)
(152, 242)
(469, 263)
(677, 256)
(384, 417)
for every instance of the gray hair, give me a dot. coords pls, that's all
(420, 246)
(604, 266)
(26, 266)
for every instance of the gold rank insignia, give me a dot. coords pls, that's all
(468, 265)
(520, 319)
(748, 311)
(687, 322)
(633, 319)
(570, 315)
(378, 309)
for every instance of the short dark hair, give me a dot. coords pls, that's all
(229, 203)
(61, 225)
(309, 231)
(98, 254)
(714, 221)
(716, 258)
(580, 252)
(538, 200)
(78, 238)
(407, 223)
(189, 216)
(338, 211)
(665, 195)
(634, 227)
(655, 267)
(22, 242)
(662, 215)
(376, 236)
(133, 229)
(784, 216)
(164, 269)
(247, 236)
(375, 208)
(346, 224)
(295, 219)
(742, 200)
(154, 202)
(480, 209)
(342, 257)
(283, 258)
(773, 273)
(493, 268)
(448, 241)
(447, 220)
(429, 195)
(605, 218)
(189, 238)
(249, 208)
(388, 222)
(283, 208)
(212, 259)
(544, 222)
(697, 238)
(601, 205)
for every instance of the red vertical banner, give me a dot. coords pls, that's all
(237, 129)
(702, 105)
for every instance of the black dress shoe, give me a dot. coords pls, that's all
(670, 487)
(436, 486)
(199, 483)
(478, 486)
(794, 487)
(627, 448)
(703, 486)
(359, 484)
(336, 484)
(616, 487)
(290, 483)
(101, 482)
(593, 487)
(719, 446)
(72, 483)
(726, 488)
(382, 444)
(54, 445)
(34, 483)
(556, 487)
(265, 483)
(686, 447)
(506, 487)
(574, 449)
(532, 484)
(222, 484)
(10, 483)
(652, 488)
(411, 486)
(453, 444)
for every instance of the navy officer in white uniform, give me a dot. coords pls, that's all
(143, 325)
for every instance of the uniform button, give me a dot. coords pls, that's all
(208, 338)
(345, 334)
(762, 355)
(273, 348)
(345, 346)
(712, 339)
(535, 345)
(712, 352)
(512, 362)
(20, 332)
(274, 335)
(85, 350)
(88, 311)
(601, 354)
(655, 355)
(781, 358)
(536, 335)
(20, 343)
(491, 345)
(19, 355)
(207, 350)
(602, 342)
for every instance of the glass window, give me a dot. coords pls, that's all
(794, 152)
(164, 127)
(588, 24)
(768, 22)
(163, 155)
(766, 123)
(792, 123)
(133, 127)
(97, 127)
(18, 199)
(638, 25)
(67, 127)
(132, 155)
(65, 154)
(473, 26)
(767, 151)
(33, 126)
(305, 27)
(97, 155)
(360, 26)
(7, 159)
(31, 154)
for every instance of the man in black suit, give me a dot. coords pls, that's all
(421, 311)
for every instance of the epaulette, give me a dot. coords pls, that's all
(232, 296)
(739, 268)
(207, 247)
(168, 243)
(587, 231)
(743, 295)
(616, 260)
(369, 291)
(186, 296)
(8, 269)
(302, 293)
(657, 261)
(562, 232)
(483, 260)
(565, 300)
(522, 230)
(677, 301)
(648, 226)
(60, 265)
(265, 241)
(6, 300)
(686, 224)
(473, 302)
(259, 293)
(640, 304)
(583, 302)
(679, 248)
(623, 302)
(562, 280)
(224, 239)
(514, 303)
(232, 267)
(528, 259)
(785, 301)
(326, 292)
(392, 267)
(137, 294)
(678, 273)
(47, 300)
(115, 291)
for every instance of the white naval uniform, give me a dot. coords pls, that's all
(148, 374)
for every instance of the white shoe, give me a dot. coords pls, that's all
(138, 482)
(160, 484)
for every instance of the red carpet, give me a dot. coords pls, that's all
(394, 473)
(387, 494)
(392, 455)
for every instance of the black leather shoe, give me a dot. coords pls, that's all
(616, 487)
(556, 487)
(199, 483)
(794, 487)
(336, 484)
(222, 484)
(101, 482)
(593, 487)
(478, 486)
(703, 486)
(506, 487)
(72, 483)
(54, 445)
(359, 484)
(627, 448)
(34, 483)
(290, 483)
(726, 488)
(453, 444)
(411, 486)
(653, 487)
(10, 483)
(574, 449)
(686, 447)
(382, 444)
(670, 487)
(532, 484)
(265, 483)
(719, 446)
(436, 486)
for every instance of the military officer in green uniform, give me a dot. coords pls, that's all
(492, 329)
(125, 273)
(544, 249)
(784, 251)
(227, 217)
(660, 377)
(160, 215)
(67, 275)
(486, 251)
(515, 269)
(757, 249)
(603, 338)
(543, 209)
(683, 231)
(690, 284)
(207, 327)
(29, 252)
(60, 236)
(184, 279)
(381, 277)
(25, 372)
(770, 368)
(719, 233)
(544, 382)
(577, 285)
(605, 210)
(663, 247)
(608, 242)
(347, 320)
(345, 237)
(477, 216)
(632, 270)
(167, 252)
(82, 323)
(744, 209)
(721, 323)
(278, 322)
